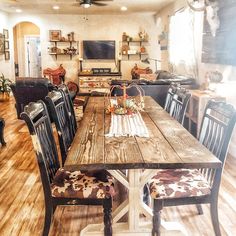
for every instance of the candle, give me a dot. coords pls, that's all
(124, 96)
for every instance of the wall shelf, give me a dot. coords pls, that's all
(139, 55)
(136, 46)
(61, 46)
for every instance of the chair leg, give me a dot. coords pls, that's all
(199, 209)
(2, 125)
(54, 208)
(107, 209)
(47, 219)
(156, 221)
(214, 216)
(146, 195)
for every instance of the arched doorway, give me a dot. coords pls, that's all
(27, 50)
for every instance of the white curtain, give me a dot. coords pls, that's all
(181, 43)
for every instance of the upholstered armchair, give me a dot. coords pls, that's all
(27, 90)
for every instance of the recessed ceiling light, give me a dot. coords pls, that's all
(124, 8)
(56, 7)
(18, 10)
(86, 5)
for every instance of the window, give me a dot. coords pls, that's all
(181, 42)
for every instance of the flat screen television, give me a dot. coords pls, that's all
(99, 49)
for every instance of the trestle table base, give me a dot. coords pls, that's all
(134, 206)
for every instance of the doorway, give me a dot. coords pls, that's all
(32, 56)
(27, 50)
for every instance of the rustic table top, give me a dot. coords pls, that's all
(169, 144)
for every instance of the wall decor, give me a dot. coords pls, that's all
(6, 45)
(5, 33)
(55, 35)
(7, 55)
(1, 43)
(219, 47)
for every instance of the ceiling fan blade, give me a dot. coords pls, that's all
(99, 4)
(76, 4)
(9, 1)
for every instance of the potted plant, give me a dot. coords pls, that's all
(4, 88)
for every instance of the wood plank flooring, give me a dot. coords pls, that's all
(22, 202)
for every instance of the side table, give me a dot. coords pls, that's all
(2, 125)
(196, 109)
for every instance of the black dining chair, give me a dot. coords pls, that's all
(170, 94)
(179, 103)
(173, 187)
(61, 118)
(70, 107)
(60, 186)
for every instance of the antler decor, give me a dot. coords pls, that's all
(125, 105)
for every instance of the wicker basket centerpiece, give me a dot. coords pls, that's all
(125, 105)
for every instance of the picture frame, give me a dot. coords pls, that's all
(6, 33)
(7, 55)
(2, 44)
(6, 45)
(55, 35)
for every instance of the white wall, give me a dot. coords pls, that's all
(107, 27)
(5, 66)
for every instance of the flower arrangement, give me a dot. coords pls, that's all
(125, 105)
(4, 88)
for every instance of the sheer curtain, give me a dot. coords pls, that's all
(182, 54)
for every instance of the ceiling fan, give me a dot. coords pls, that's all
(200, 5)
(88, 3)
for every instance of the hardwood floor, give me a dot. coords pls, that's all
(22, 203)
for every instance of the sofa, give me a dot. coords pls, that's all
(29, 89)
(155, 85)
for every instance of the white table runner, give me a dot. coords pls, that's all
(127, 125)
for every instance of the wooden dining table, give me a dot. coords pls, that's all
(169, 145)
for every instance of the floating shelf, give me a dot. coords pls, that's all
(136, 46)
(69, 43)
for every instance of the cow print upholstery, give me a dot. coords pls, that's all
(75, 184)
(178, 183)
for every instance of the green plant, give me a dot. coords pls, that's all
(5, 84)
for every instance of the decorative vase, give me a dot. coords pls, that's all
(215, 77)
(4, 96)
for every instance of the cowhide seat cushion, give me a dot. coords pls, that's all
(75, 184)
(178, 183)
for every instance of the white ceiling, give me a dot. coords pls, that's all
(70, 6)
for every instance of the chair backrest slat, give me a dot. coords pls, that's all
(179, 103)
(61, 118)
(39, 125)
(169, 97)
(70, 107)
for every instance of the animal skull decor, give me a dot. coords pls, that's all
(212, 17)
(211, 7)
